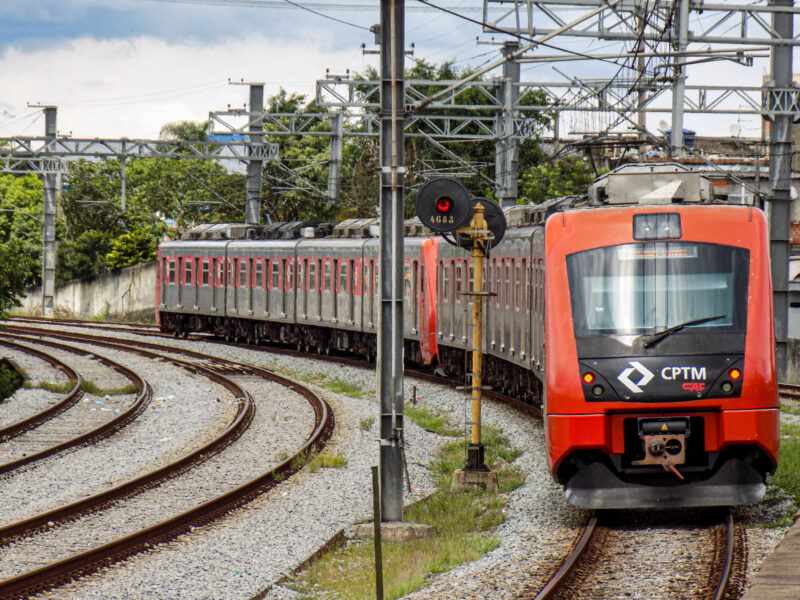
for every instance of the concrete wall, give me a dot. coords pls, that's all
(122, 293)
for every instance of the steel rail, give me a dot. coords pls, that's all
(566, 567)
(106, 429)
(116, 550)
(727, 559)
(73, 396)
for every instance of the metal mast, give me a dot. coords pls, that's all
(255, 166)
(679, 85)
(390, 336)
(507, 146)
(780, 177)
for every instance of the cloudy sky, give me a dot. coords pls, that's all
(126, 67)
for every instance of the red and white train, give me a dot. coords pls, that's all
(639, 318)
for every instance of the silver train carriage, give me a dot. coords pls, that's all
(322, 295)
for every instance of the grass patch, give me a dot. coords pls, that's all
(334, 384)
(90, 387)
(49, 386)
(366, 424)
(787, 476)
(326, 460)
(430, 421)
(790, 409)
(11, 378)
(462, 521)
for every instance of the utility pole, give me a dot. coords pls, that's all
(255, 165)
(679, 84)
(507, 146)
(49, 253)
(335, 165)
(123, 185)
(390, 333)
(780, 178)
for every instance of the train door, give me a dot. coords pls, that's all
(275, 284)
(301, 289)
(357, 297)
(342, 291)
(313, 289)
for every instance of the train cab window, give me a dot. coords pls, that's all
(242, 272)
(327, 282)
(276, 273)
(259, 276)
(343, 277)
(312, 275)
(639, 289)
(187, 271)
(204, 272)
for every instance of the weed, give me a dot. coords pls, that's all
(431, 421)
(366, 424)
(462, 522)
(788, 474)
(49, 386)
(90, 387)
(326, 460)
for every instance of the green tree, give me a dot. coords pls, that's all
(21, 213)
(13, 266)
(185, 131)
(132, 248)
(567, 175)
(84, 256)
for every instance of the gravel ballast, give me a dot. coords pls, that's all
(186, 411)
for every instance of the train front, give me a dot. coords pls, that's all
(660, 384)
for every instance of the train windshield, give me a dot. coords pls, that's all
(635, 289)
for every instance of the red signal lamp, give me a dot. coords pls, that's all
(443, 205)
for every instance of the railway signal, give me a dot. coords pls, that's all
(446, 207)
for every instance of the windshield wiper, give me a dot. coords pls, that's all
(657, 337)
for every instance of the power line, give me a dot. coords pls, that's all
(333, 6)
(323, 15)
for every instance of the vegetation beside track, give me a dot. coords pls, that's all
(787, 476)
(10, 379)
(463, 523)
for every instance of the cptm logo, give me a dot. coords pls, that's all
(645, 376)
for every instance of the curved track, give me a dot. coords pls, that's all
(212, 368)
(143, 396)
(73, 396)
(725, 579)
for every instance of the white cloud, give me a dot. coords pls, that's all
(132, 87)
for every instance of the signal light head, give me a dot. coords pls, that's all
(588, 378)
(444, 204)
(735, 374)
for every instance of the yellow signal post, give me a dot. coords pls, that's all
(476, 472)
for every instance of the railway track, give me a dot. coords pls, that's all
(601, 542)
(86, 561)
(107, 427)
(70, 399)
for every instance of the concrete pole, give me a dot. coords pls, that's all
(49, 252)
(679, 85)
(507, 148)
(335, 165)
(780, 178)
(390, 333)
(252, 214)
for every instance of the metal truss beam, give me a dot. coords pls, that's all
(592, 95)
(730, 23)
(39, 166)
(18, 147)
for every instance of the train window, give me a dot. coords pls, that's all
(508, 282)
(301, 272)
(204, 272)
(242, 272)
(220, 272)
(518, 286)
(407, 281)
(312, 275)
(289, 273)
(445, 281)
(458, 282)
(171, 271)
(327, 281)
(421, 278)
(343, 278)
(229, 274)
(276, 273)
(187, 271)
(259, 276)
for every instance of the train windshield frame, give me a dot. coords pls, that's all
(642, 288)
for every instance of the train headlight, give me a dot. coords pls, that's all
(727, 387)
(657, 226)
(598, 390)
